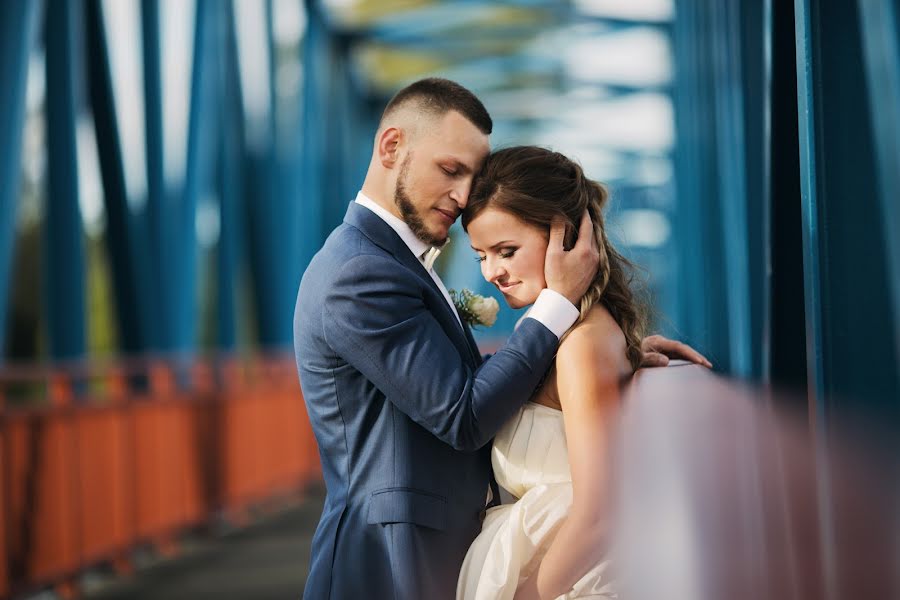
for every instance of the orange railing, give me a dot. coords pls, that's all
(94, 469)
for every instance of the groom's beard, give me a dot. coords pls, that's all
(408, 210)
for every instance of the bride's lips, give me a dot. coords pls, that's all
(448, 216)
(506, 287)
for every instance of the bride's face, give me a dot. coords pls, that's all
(511, 253)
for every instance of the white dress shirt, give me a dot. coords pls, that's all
(551, 309)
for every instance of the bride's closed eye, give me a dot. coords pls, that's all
(504, 253)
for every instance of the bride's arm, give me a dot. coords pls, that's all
(588, 368)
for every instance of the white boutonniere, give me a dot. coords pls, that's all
(474, 309)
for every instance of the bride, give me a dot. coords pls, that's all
(553, 455)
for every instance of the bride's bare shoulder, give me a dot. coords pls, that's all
(596, 343)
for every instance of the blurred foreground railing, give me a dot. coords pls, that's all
(94, 469)
(728, 491)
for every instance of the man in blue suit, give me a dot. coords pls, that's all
(401, 402)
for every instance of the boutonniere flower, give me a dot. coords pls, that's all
(475, 309)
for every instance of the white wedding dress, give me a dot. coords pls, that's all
(530, 461)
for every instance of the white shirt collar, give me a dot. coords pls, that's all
(415, 245)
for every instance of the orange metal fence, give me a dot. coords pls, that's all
(95, 469)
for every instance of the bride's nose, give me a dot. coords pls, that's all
(494, 270)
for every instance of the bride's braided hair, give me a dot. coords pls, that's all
(535, 185)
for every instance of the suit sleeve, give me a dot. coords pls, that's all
(377, 320)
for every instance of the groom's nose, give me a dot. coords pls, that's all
(460, 193)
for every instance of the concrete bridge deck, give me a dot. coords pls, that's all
(266, 560)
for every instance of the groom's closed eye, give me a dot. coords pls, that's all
(454, 168)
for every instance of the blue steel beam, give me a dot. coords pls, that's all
(199, 171)
(230, 178)
(756, 67)
(131, 305)
(448, 26)
(471, 43)
(313, 133)
(449, 20)
(845, 251)
(157, 216)
(809, 184)
(732, 179)
(698, 215)
(787, 330)
(18, 27)
(719, 98)
(64, 265)
(880, 20)
(271, 224)
(338, 124)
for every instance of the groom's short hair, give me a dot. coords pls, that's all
(438, 97)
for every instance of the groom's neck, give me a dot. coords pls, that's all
(380, 196)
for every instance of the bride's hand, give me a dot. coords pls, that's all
(658, 350)
(570, 272)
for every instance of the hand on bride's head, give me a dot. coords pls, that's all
(570, 272)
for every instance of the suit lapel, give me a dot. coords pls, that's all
(380, 233)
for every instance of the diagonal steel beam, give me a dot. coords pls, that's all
(18, 27)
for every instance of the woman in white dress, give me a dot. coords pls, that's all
(553, 456)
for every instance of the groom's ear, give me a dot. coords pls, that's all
(389, 147)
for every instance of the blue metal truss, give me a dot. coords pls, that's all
(64, 266)
(131, 301)
(18, 28)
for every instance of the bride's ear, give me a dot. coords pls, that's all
(389, 147)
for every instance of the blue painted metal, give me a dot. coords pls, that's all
(845, 246)
(64, 265)
(697, 217)
(762, 311)
(880, 21)
(343, 178)
(445, 22)
(813, 272)
(271, 223)
(788, 365)
(18, 27)
(199, 171)
(752, 112)
(727, 75)
(312, 225)
(723, 182)
(230, 179)
(131, 305)
(812, 268)
(160, 241)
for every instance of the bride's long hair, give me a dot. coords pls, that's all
(535, 185)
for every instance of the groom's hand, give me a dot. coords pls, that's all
(571, 272)
(658, 350)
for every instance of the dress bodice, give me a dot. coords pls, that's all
(531, 450)
(530, 460)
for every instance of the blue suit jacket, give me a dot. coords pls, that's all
(403, 408)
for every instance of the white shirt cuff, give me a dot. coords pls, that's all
(554, 312)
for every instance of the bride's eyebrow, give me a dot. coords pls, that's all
(498, 244)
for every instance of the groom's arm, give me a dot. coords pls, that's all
(377, 320)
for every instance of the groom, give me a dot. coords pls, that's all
(402, 405)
